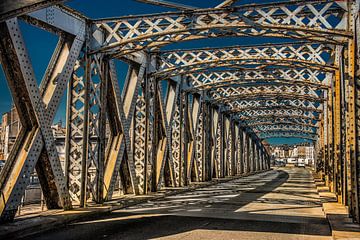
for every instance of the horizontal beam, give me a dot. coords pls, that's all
(241, 63)
(62, 18)
(253, 82)
(267, 95)
(122, 35)
(287, 107)
(255, 124)
(275, 116)
(11, 8)
(290, 135)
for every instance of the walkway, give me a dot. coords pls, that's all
(279, 204)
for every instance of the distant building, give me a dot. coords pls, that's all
(10, 127)
(293, 153)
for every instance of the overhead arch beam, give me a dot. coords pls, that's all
(256, 108)
(268, 123)
(313, 137)
(213, 76)
(303, 53)
(273, 102)
(264, 96)
(254, 113)
(242, 66)
(246, 82)
(274, 116)
(241, 63)
(280, 119)
(286, 131)
(299, 20)
(296, 128)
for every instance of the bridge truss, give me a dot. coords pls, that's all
(184, 115)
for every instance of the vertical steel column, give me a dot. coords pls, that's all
(257, 157)
(233, 150)
(253, 160)
(181, 166)
(215, 155)
(77, 122)
(207, 142)
(331, 152)
(227, 146)
(221, 147)
(199, 132)
(352, 143)
(241, 150)
(337, 185)
(176, 136)
(246, 153)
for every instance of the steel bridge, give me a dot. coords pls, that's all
(185, 115)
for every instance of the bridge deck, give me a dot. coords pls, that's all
(279, 204)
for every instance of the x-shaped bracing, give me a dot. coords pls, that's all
(35, 146)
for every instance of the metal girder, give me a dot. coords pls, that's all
(10, 9)
(277, 115)
(258, 104)
(280, 127)
(306, 55)
(57, 18)
(241, 65)
(229, 94)
(269, 108)
(205, 78)
(279, 119)
(254, 124)
(37, 108)
(299, 20)
(288, 134)
(266, 112)
(254, 81)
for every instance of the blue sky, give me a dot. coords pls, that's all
(40, 44)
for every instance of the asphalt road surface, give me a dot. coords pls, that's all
(279, 204)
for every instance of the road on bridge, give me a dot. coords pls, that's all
(278, 204)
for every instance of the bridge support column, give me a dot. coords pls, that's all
(215, 142)
(247, 152)
(240, 150)
(34, 146)
(352, 144)
(262, 158)
(253, 160)
(258, 158)
(222, 145)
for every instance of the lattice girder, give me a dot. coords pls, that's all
(208, 79)
(306, 55)
(283, 127)
(117, 36)
(296, 104)
(288, 134)
(230, 94)
(285, 114)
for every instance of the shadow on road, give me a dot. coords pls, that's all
(163, 218)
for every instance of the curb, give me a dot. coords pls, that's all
(42, 223)
(341, 225)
